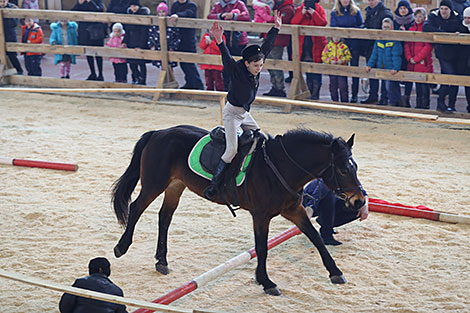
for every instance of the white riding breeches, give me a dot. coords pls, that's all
(235, 117)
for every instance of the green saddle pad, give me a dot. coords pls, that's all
(195, 163)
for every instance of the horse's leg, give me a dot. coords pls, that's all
(170, 203)
(135, 211)
(261, 228)
(299, 217)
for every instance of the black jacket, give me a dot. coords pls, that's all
(244, 85)
(187, 35)
(435, 23)
(9, 25)
(95, 282)
(118, 6)
(460, 5)
(374, 18)
(137, 36)
(84, 28)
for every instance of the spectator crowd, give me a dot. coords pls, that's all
(452, 16)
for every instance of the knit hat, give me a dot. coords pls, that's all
(162, 6)
(406, 4)
(421, 10)
(120, 27)
(134, 2)
(447, 3)
(250, 52)
(466, 12)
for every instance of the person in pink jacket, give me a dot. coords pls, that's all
(233, 10)
(212, 73)
(263, 11)
(419, 58)
(119, 64)
(311, 13)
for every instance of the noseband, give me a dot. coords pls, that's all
(338, 190)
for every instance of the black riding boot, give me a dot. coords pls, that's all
(211, 191)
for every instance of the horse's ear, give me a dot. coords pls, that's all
(350, 141)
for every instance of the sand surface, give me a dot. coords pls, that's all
(53, 222)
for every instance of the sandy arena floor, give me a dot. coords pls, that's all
(52, 222)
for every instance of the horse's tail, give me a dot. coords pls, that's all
(125, 185)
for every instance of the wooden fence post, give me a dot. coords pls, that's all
(166, 76)
(298, 86)
(3, 51)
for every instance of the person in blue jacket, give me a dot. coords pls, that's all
(387, 55)
(331, 210)
(347, 14)
(98, 280)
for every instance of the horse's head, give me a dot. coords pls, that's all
(340, 174)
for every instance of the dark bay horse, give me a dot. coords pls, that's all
(160, 161)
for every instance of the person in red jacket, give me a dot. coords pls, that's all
(311, 13)
(213, 73)
(419, 58)
(232, 10)
(32, 33)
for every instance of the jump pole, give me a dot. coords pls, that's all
(221, 269)
(418, 213)
(40, 164)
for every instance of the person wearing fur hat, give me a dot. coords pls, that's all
(445, 20)
(244, 76)
(464, 55)
(136, 37)
(187, 9)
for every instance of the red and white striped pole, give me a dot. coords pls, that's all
(221, 269)
(40, 164)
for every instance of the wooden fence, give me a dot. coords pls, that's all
(166, 79)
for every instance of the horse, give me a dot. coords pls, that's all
(279, 169)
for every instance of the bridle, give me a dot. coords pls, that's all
(338, 189)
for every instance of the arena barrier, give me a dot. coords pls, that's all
(380, 206)
(40, 164)
(97, 295)
(223, 268)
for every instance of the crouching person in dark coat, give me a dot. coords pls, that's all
(99, 269)
(331, 210)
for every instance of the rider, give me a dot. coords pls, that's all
(244, 82)
(331, 210)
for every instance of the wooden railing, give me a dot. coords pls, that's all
(298, 87)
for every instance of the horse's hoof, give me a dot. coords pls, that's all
(117, 252)
(338, 279)
(273, 291)
(162, 268)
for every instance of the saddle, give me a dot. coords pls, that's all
(206, 154)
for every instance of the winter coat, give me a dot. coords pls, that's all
(9, 25)
(336, 51)
(30, 4)
(421, 52)
(435, 23)
(118, 6)
(386, 54)
(172, 38)
(116, 42)
(317, 19)
(373, 20)
(90, 33)
(211, 48)
(137, 36)
(233, 38)
(188, 35)
(56, 38)
(460, 5)
(287, 10)
(262, 12)
(347, 20)
(464, 55)
(95, 282)
(34, 35)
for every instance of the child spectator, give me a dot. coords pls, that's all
(212, 73)
(263, 11)
(136, 37)
(119, 64)
(403, 20)
(172, 36)
(419, 58)
(32, 33)
(337, 52)
(386, 54)
(57, 38)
